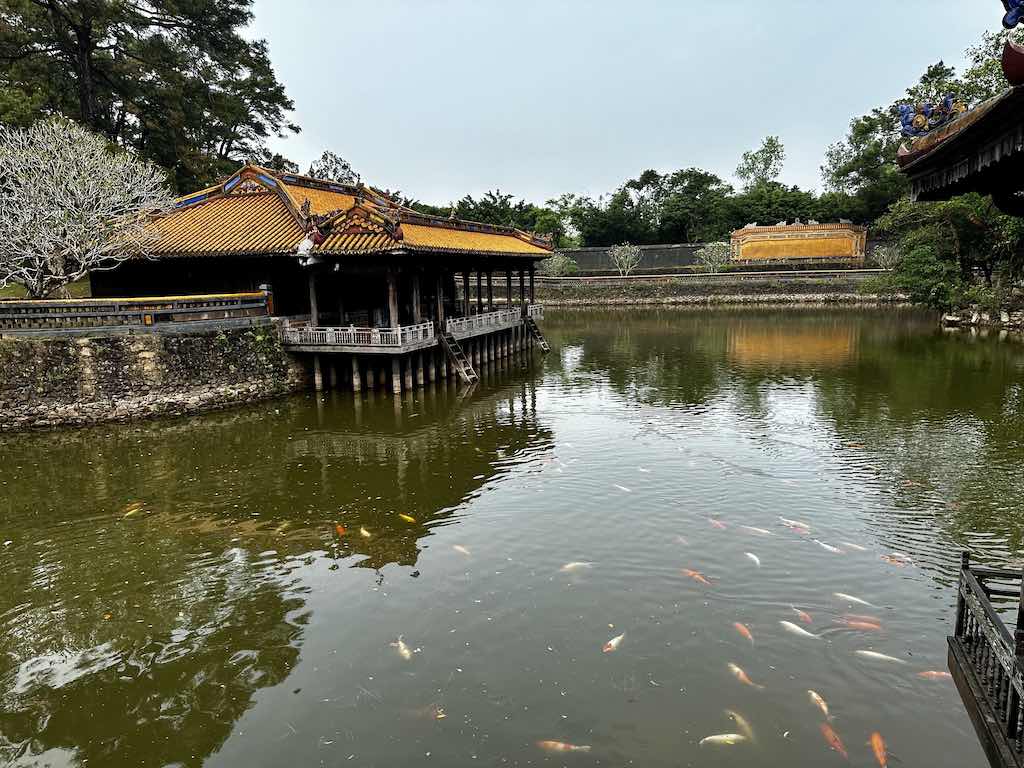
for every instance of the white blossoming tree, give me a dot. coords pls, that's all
(71, 204)
(714, 257)
(625, 258)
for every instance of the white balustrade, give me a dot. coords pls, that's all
(390, 338)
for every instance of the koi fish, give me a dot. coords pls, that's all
(934, 675)
(852, 599)
(799, 631)
(717, 524)
(758, 531)
(697, 576)
(561, 746)
(403, 649)
(741, 724)
(364, 533)
(819, 702)
(874, 656)
(570, 567)
(893, 560)
(865, 626)
(744, 631)
(613, 644)
(828, 547)
(740, 675)
(682, 541)
(340, 529)
(878, 747)
(622, 488)
(724, 739)
(795, 525)
(804, 616)
(407, 518)
(461, 550)
(851, 545)
(753, 558)
(833, 740)
(132, 509)
(861, 617)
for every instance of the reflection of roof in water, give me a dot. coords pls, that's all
(759, 346)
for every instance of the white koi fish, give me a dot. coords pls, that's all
(622, 488)
(570, 567)
(614, 643)
(799, 631)
(758, 531)
(874, 656)
(857, 547)
(753, 558)
(828, 547)
(741, 724)
(403, 649)
(795, 525)
(461, 550)
(852, 599)
(724, 739)
(364, 533)
(819, 702)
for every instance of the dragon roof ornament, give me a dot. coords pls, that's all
(1014, 13)
(919, 120)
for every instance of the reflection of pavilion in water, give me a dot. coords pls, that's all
(757, 345)
(422, 466)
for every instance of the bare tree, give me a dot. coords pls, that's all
(625, 258)
(70, 203)
(713, 257)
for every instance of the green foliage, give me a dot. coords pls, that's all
(763, 165)
(926, 278)
(178, 82)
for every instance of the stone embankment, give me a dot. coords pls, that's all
(1012, 321)
(65, 380)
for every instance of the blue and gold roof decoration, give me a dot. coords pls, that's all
(1014, 13)
(919, 120)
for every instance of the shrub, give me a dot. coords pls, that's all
(714, 257)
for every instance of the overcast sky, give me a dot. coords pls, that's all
(439, 98)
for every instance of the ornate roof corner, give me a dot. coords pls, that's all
(919, 120)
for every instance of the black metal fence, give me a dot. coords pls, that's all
(987, 658)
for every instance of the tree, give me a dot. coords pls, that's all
(559, 265)
(177, 82)
(887, 256)
(714, 257)
(70, 204)
(762, 165)
(333, 168)
(625, 258)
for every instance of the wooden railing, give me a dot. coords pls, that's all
(75, 314)
(987, 660)
(396, 339)
(488, 322)
(536, 311)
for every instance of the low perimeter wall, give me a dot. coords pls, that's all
(74, 380)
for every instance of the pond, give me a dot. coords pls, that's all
(674, 527)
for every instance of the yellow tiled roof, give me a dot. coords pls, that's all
(259, 212)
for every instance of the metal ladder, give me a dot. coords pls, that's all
(534, 329)
(458, 358)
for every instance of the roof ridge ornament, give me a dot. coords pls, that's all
(921, 119)
(1014, 13)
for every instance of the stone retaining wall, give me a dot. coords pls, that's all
(974, 318)
(66, 380)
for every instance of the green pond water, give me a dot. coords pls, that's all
(180, 593)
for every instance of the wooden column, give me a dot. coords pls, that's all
(431, 365)
(439, 303)
(392, 299)
(490, 290)
(417, 363)
(479, 293)
(508, 289)
(417, 316)
(318, 374)
(522, 291)
(408, 373)
(357, 380)
(465, 294)
(314, 308)
(533, 291)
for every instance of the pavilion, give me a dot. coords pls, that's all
(363, 282)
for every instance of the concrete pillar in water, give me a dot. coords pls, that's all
(418, 360)
(432, 366)
(382, 377)
(318, 374)
(444, 366)
(408, 373)
(396, 376)
(333, 368)
(357, 380)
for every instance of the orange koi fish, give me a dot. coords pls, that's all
(561, 746)
(340, 529)
(864, 626)
(613, 644)
(744, 631)
(878, 747)
(740, 675)
(804, 616)
(934, 675)
(833, 740)
(697, 576)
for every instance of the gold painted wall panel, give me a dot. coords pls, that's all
(793, 248)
